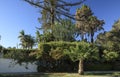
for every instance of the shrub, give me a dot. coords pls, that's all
(20, 55)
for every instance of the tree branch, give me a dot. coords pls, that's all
(37, 5)
(70, 4)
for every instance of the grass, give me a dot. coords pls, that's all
(115, 74)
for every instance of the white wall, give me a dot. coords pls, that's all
(8, 65)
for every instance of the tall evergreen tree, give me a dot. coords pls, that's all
(90, 23)
(94, 25)
(53, 10)
(82, 13)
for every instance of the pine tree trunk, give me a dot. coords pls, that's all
(92, 35)
(52, 17)
(80, 70)
(82, 37)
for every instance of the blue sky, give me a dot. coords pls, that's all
(17, 15)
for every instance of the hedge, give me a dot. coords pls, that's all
(54, 49)
(50, 57)
(46, 49)
(20, 55)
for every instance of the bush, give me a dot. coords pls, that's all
(52, 58)
(20, 55)
(53, 49)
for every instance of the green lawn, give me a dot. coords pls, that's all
(62, 75)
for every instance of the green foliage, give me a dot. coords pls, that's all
(89, 24)
(64, 30)
(53, 10)
(110, 42)
(56, 53)
(61, 31)
(83, 12)
(75, 50)
(27, 41)
(1, 48)
(110, 55)
(51, 56)
(82, 50)
(53, 48)
(48, 36)
(20, 55)
(45, 37)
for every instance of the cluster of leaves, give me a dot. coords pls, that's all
(64, 31)
(110, 55)
(27, 41)
(110, 41)
(20, 55)
(53, 49)
(46, 37)
(82, 50)
(75, 50)
(1, 48)
(89, 23)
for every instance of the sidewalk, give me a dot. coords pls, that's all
(102, 71)
(58, 72)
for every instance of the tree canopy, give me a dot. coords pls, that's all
(64, 31)
(54, 10)
(89, 25)
(110, 41)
